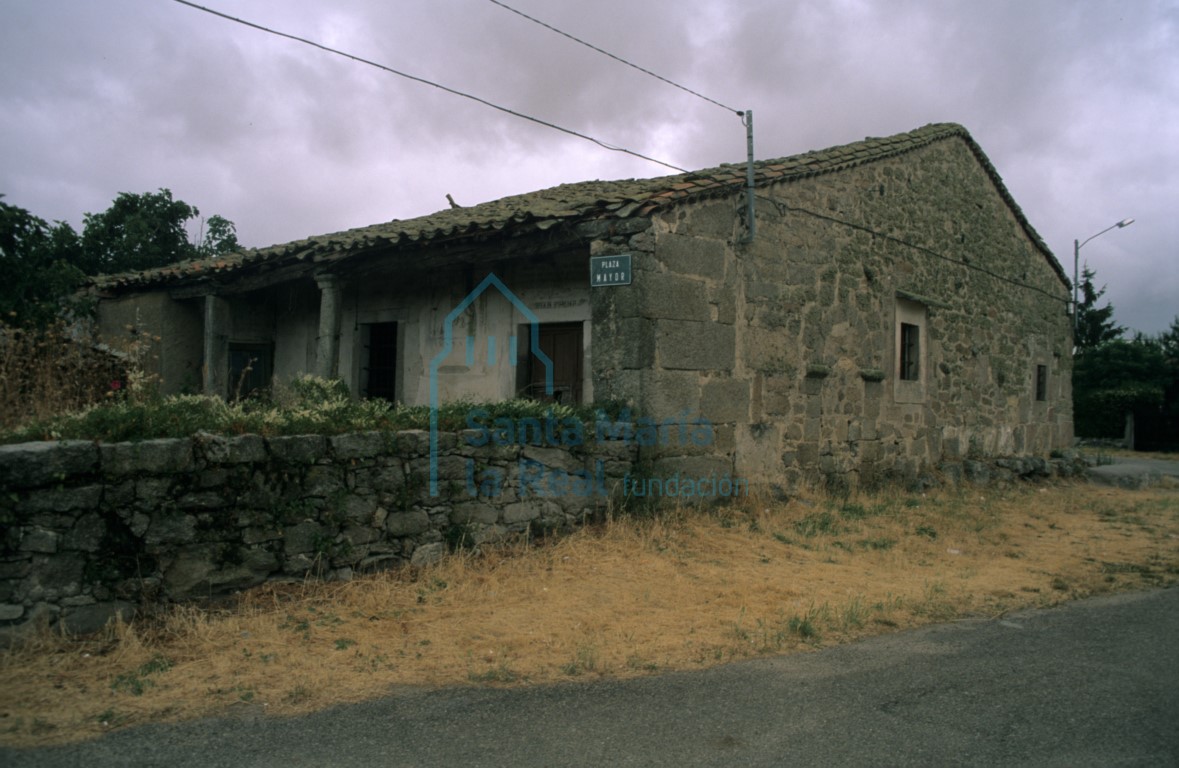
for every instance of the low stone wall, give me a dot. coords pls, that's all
(92, 530)
(1004, 471)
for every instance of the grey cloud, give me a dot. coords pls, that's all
(1076, 104)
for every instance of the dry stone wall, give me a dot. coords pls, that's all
(94, 530)
(789, 345)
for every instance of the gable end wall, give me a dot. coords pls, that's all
(789, 346)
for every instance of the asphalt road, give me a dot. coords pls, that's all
(1091, 683)
(1135, 472)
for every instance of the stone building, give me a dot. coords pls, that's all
(893, 311)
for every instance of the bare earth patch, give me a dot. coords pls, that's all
(632, 597)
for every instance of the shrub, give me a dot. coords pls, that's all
(52, 371)
(308, 391)
(307, 405)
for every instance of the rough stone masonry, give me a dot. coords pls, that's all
(93, 530)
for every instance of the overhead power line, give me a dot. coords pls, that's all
(619, 59)
(784, 207)
(781, 205)
(433, 84)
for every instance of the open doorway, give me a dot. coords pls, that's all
(251, 367)
(378, 370)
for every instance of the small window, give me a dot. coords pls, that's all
(250, 368)
(910, 351)
(1041, 382)
(910, 365)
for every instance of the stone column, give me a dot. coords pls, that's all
(216, 346)
(327, 352)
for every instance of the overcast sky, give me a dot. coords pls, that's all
(1076, 102)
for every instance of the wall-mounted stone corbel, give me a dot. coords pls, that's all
(815, 373)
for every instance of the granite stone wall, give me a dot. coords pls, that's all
(93, 530)
(790, 344)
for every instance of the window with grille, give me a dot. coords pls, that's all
(911, 351)
(910, 363)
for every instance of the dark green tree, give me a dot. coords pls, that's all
(43, 264)
(137, 232)
(1169, 343)
(38, 265)
(220, 237)
(1116, 378)
(1167, 430)
(1095, 325)
(149, 230)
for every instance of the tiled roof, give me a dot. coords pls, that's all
(567, 203)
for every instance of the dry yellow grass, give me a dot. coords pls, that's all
(48, 372)
(684, 591)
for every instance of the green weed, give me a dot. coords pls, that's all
(817, 523)
(803, 627)
(498, 674)
(586, 660)
(853, 614)
(138, 681)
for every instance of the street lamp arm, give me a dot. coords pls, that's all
(1119, 225)
(1077, 260)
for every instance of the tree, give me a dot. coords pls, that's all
(43, 264)
(1169, 343)
(38, 264)
(1113, 378)
(1165, 434)
(1116, 378)
(1095, 325)
(137, 232)
(149, 230)
(220, 237)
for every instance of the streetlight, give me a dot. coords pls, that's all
(1077, 245)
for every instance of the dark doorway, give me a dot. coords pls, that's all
(379, 372)
(250, 368)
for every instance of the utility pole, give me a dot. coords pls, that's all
(747, 119)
